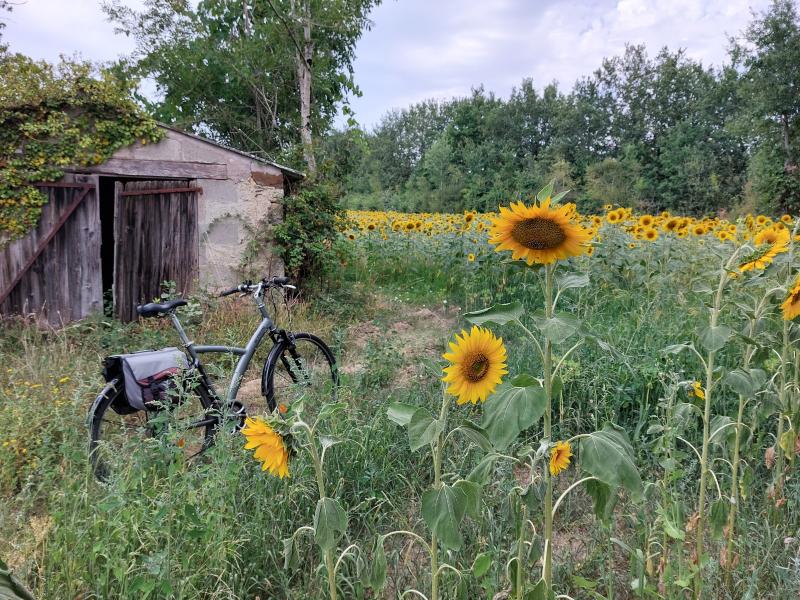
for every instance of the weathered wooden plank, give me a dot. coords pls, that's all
(157, 236)
(131, 167)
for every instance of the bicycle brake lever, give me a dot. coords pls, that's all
(291, 287)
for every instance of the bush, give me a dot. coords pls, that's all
(308, 238)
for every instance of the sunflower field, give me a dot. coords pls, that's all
(534, 404)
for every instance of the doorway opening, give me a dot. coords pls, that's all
(106, 199)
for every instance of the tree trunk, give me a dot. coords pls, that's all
(304, 62)
(788, 163)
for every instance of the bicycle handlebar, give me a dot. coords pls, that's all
(248, 286)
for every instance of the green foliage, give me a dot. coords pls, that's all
(308, 236)
(54, 117)
(230, 70)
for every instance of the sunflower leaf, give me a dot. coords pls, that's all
(499, 314)
(330, 523)
(512, 409)
(714, 338)
(443, 510)
(472, 494)
(572, 281)
(401, 413)
(559, 327)
(476, 434)
(604, 497)
(422, 429)
(608, 455)
(482, 564)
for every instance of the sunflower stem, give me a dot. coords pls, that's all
(437, 448)
(320, 477)
(520, 549)
(748, 353)
(701, 513)
(547, 571)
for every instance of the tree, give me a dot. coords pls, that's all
(769, 55)
(5, 6)
(261, 75)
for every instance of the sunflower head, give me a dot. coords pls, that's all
(697, 391)
(270, 447)
(477, 364)
(791, 306)
(471, 257)
(539, 233)
(559, 457)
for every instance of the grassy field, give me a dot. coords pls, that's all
(218, 528)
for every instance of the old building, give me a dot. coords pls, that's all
(185, 210)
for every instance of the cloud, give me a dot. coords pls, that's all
(421, 49)
(418, 48)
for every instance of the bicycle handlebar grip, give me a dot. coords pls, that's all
(229, 292)
(279, 280)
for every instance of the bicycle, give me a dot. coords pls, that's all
(299, 365)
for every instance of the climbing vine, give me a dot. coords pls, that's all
(53, 117)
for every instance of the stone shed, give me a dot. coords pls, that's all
(185, 210)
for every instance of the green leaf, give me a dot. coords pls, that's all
(422, 429)
(499, 314)
(291, 557)
(401, 413)
(480, 474)
(718, 517)
(714, 338)
(540, 592)
(443, 510)
(558, 328)
(330, 523)
(669, 524)
(723, 432)
(607, 454)
(740, 382)
(482, 564)
(573, 281)
(512, 409)
(546, 192)
(676, 348)
(329, 409)
(476, 434)
(604, 497)
(472, 493)
(376, 573)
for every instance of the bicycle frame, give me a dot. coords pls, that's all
(267, 326)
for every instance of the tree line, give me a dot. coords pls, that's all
(660, 132)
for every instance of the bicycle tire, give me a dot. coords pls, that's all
(280, 355)
(102, 412)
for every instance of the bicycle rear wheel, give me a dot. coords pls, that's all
(300, 368)
(117, 440)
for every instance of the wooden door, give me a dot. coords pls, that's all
(54, 271)
(155, 240)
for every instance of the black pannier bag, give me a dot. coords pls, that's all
(148, 378)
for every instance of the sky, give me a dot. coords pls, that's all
(420, 49)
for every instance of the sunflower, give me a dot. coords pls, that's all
(471, 257)
(559, 457)
(270, 447)
(772, 242)
(650, 234)
(697, 390)
(538, 234)
(477, 365)
(791, 306)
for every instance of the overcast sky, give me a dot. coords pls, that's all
(419, 49)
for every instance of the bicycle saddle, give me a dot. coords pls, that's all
(151, 309)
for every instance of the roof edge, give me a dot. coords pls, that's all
(294, 173)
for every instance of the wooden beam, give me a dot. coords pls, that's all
(179, 190)
(46, 240)
(132, 167)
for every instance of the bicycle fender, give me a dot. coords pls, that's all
(110, 386)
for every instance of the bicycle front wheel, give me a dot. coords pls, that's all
(300, 368)
(117, 440)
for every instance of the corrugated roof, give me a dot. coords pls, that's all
(288, 170)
